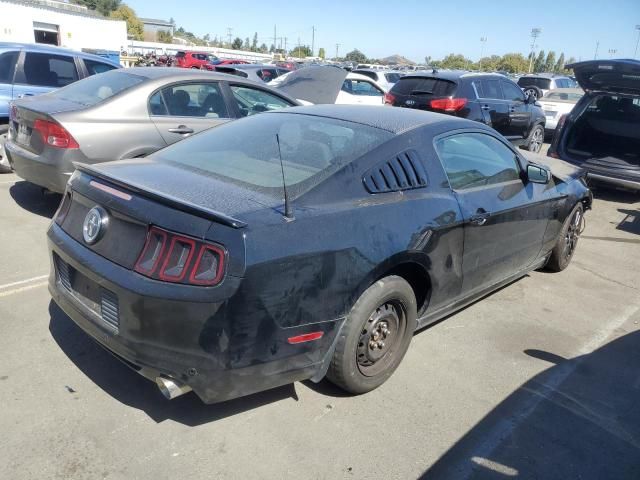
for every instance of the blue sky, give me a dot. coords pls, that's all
(417, 28)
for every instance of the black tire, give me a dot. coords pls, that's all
(535, 139)
(567, 241)
(533, 90)
(4, 162)
(357, 366)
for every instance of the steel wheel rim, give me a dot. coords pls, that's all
(380, 338)
(572, 235)
(536, 140)
(532, 93)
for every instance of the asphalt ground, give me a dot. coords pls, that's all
(539, 380)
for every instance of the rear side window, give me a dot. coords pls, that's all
(7, 66)
(190, 100)
(361, 88)
(511, 91)
(311, 148)
(95, 89)
(542, 83)
(424, 86)
(94, 67)
(474, 159)
(252, 100)
(489, 88)
(45, 70)
(392, 77)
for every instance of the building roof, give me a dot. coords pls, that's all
(61, 7)
(156, 21)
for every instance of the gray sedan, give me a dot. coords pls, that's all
(125, 113)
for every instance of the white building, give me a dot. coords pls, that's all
(59, 23)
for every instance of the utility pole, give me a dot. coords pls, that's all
(483, 40)
(337, 47)
(635, 53)
(313, 40)
(612, 52)
(285, 45)
(275, 37)
(299, 54)
(535, 33)
(229, 30)
(595, 55)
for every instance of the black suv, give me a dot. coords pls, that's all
(602, 132)
(489, 98)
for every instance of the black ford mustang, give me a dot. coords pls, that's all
(189, 267)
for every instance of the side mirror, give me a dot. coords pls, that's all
(537, 174)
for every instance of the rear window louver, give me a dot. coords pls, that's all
(403, 172)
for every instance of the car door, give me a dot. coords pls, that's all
(359, 92)
(519, 111)
(495, 109)
(182, 109)
(505, 217)
(8, 62)
(42, 72)
(249, 100)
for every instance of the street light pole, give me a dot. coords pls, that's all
(535, 33)
(483, 40)
(635, 53)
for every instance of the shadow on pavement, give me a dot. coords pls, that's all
(130, 388)
(611, 194)
(631, 223)
(31, 198)
(579, 419)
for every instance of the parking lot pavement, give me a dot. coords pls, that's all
(539, 380)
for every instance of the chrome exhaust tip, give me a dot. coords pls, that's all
(171, 388)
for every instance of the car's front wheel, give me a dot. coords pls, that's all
(535, 139)
(376, 336)
(4, 161)
(567, 241)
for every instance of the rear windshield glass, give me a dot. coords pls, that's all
(543, 83)
(424, 86)
(392, 77)
(312, 148)
(97, 88)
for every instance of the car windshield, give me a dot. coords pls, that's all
(563, 96)
(543, 83)
(97, 88)
(311, 148)
(424, 86)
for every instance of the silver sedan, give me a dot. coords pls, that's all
(124, 113)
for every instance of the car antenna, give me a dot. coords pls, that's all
(288, 213)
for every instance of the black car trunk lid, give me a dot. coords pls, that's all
(617, 76)
(418, 91)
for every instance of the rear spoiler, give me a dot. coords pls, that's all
(168, 200)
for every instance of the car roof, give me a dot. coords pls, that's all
(542, 75)
(248, 66)
(42, 48)
(153, 73)
(393, 120)
(451, 75)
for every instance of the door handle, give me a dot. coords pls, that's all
(480, 218)
(22, 95)
(485, 107)
(182, 129)
(512, 110)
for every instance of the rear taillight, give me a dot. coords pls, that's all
(448, 104)
(13, 113)
(54, 134)
(174, 258)
(389, 99)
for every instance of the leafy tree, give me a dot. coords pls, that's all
(569, 62)
(455, 62)
(247, 45)
(559, 66)
(301, 51)
(254, 44)
(539, 63)
(263, 48)
(105, 7)
(272, 48)
(237, 44)
(134, 25)
(206, 38)
(489, 64)
(321, 53)
(164, 36)
(550, 63)
(356, 56)
(427, 60)
(513, 63)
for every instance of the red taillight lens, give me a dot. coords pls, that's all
(389, 98)
(448, 104)
(174, 258)
(54, 134)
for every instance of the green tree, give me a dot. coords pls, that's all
(247, 44)
(263, 48)
(489, 64)
(164, 36)
(237, 44)
(550, 63)
(513, 63)
(539, 63)
(301, 51)
(254, 44)
(105, 7)
(455, 62)
(356, 56)
(321, 53)
(134, 25)
(559, 66)
(427, 60)
(569, 62)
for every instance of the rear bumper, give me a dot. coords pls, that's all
(621, 177)
(214, 350)
(620, 182)
(52, 174)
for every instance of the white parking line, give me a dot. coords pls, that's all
(22, 282)
(22, 289)
(7, 183)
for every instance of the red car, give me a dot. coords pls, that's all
(201, 60)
